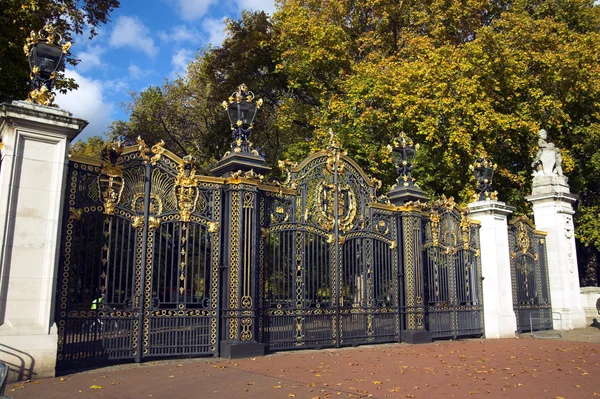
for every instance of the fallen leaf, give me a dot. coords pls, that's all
(276, 386)
(377, 382)
(96, 387)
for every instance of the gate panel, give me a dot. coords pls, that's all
(529, 275)
(329, 273)
(98, 261)
(140, 258)
(452, 273)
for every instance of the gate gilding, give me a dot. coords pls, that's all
(328, 258)
(158, 261)
(529, 275)
(140, 258)
(452, 269)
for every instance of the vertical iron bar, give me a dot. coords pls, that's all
(336, 244)
(141, 316)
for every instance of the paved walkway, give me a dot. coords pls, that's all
(530, 368)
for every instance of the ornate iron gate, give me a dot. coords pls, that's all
(529, 275)
(140, 258)
(328, 258)
(452, 268)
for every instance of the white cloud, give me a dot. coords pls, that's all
(267, 6)
(215, 28)
(130, 32)
(135, 72)
(87, 103)
(191, 10)
(179, 34)
(180, 61)
(91, 58)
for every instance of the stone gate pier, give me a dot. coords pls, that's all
(553, 212)
(35, 142)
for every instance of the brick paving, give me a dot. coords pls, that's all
(532, 368)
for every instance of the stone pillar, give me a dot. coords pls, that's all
(553, 213)
(500, 320)
(35, 142)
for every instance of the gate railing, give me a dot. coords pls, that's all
(529, 275)
(452, 297)
(328, 258)
(159, 261)
(140, 253)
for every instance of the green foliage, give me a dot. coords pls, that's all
(19, 17)
(459, 77)
(92, 148)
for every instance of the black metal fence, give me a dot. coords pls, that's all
(329, 264)
(529, 276)
(157, 261)
(139, 261)
(452, 273)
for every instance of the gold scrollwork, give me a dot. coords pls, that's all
(246, 329)
(246, 302)
(75, 214)
(153, 222)
(213, 227)
(153, 154)
(435, 228)
(465, 227)
(186, 188)
(110, 180)
(522, 237)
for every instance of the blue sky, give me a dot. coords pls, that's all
(146, 42)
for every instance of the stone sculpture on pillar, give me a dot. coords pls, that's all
(553, 211)
(547, 161)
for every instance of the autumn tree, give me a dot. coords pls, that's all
(19, 17)
(459, 77)
(187, 113)
(462, 78)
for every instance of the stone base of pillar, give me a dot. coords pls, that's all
(571, 318)
(238, 350)
(416, 337)
(500, 325)
(30, 353)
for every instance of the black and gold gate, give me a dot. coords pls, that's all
(328, 258)
(453, 298)
(529, 276)
(139, 259)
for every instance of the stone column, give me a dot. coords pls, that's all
(553, 213)
(35, 142)
(500, 321)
